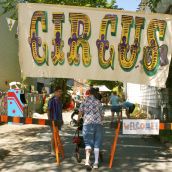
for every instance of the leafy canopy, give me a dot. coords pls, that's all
(10, 5)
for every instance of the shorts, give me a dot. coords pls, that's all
(131, 109)
(93, 135)
(117, 108)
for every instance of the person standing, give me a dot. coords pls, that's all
(115, 107)
(55, 112)
(92, 112)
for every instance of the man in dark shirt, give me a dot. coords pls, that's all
(55, 111)
(55, 107)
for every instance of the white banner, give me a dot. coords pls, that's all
(91, 43)
(140, 126)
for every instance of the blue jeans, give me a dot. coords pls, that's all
(93, 135)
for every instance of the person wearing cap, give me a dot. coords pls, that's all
(92, 111)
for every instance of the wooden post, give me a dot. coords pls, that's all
(113, 149)
(57, 144)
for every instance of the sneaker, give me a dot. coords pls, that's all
(60, 133)
(95, 166)
(88, 167)
(53, 153)
(52, 150)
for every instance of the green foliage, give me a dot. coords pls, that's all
(10, 5)
(62, 82)
(108, 84)
(45, 106)
(153, 4)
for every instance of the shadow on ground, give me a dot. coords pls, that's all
(28, 149)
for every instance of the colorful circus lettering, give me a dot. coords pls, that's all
(151, 53)
(35, 41)
(127, 63)
(78, 39)
(103, 44)
(58, 55)
(154, 55)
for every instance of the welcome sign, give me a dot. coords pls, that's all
(141, 126)
(90, 43)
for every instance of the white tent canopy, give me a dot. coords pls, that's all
(102, 88)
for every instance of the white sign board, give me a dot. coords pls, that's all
(99, 44)
(141, 127)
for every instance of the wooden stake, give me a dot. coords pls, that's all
(57, 144)
(113, 149)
